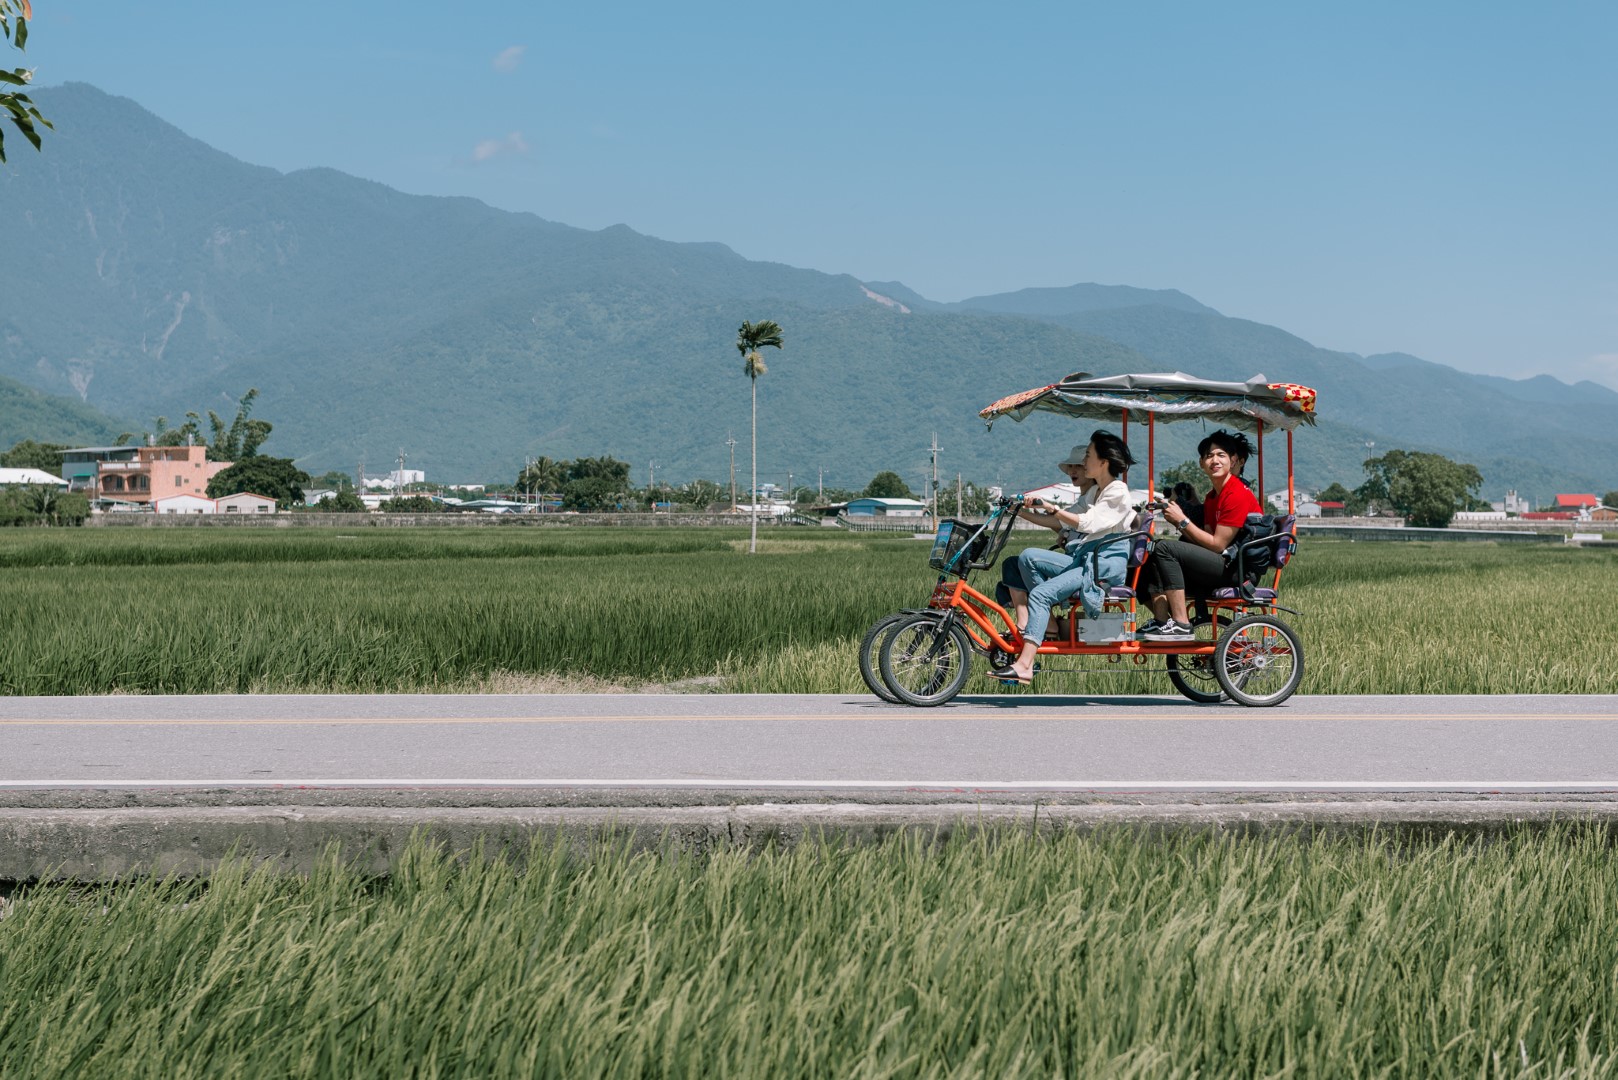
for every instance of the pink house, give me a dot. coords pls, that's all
(140, 474)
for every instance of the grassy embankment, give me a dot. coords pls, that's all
(205, 611)
(992, 955)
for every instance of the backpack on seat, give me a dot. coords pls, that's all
(1264, 541)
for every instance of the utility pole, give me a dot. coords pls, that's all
(790, 499)
(820, 485)
(398, 486)
(959, 512)
(360, 480)
(730, 441)
(934, 449)
(651, 484)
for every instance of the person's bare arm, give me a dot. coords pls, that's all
(1217, 540)
(1049, 520)
(1053, 517)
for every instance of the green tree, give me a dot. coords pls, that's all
(752, 337)
(163, 435)
(887, 485)
(42, 505)
(699, 494)
(275, 477)
(543, 476)
(42, 500)
(242, 437)
(29, 454)
(1610, 499)
(592, 493)
(235, 441)
(14, 16)
(595, 484)
(344, 502)
(601, 468)
(335, 480)
(1186, 472)
(1426, 488)
(411, 504)
(975, 500)
(1335, 493)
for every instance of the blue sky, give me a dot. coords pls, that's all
(1432, 178)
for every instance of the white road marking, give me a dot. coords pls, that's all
(975, 785)
(1187, 712)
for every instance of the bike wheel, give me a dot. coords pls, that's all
(1259, 660)
(869, 658)
(1193, 676)
(926, 660)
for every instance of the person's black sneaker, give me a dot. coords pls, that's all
(1169, 631)
(1151, 626)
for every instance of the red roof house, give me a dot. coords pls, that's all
(1576, 502)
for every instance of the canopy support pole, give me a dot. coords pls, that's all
(1261, 466)
(1126, 440)
(1291, 509)
(1151, 452)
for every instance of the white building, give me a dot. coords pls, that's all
(30, 478)
(765, 509)
(245, 502)
(1513, 505)
(184, 504)
(1061, 494)
(874, 507)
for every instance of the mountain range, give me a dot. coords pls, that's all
(149, 274)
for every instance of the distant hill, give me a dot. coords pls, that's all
(1075, 299)
(26, 413)
(166, 276)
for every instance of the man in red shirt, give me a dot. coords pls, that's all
(1196, 561)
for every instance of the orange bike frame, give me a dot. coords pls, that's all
(977, 608)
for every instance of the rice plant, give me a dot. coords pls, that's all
(204, 611)
(1117, 954)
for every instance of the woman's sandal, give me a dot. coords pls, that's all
(1009, 675)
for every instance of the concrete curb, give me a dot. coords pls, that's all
(100, 844)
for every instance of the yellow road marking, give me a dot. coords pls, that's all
(1178, 713)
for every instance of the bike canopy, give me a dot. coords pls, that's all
(1256, 404)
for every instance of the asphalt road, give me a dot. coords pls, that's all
(995, 743)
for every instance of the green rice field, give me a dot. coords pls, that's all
(984, 955)
(94, 611)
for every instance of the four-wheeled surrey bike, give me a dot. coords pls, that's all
(1241, 650)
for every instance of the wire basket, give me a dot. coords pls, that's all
(955, 537)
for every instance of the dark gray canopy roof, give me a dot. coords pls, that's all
(1171, 396)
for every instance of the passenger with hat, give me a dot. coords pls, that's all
(1092, 556)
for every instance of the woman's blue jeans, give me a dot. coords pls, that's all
(1011, 573)
(1051, 577)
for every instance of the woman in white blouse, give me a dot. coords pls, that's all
(1097, 562)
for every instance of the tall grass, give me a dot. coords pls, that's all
(991, 955)
(193, 611)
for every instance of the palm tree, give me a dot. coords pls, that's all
(749, 340)
(543, 476)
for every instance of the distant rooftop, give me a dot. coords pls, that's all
(28, 476)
